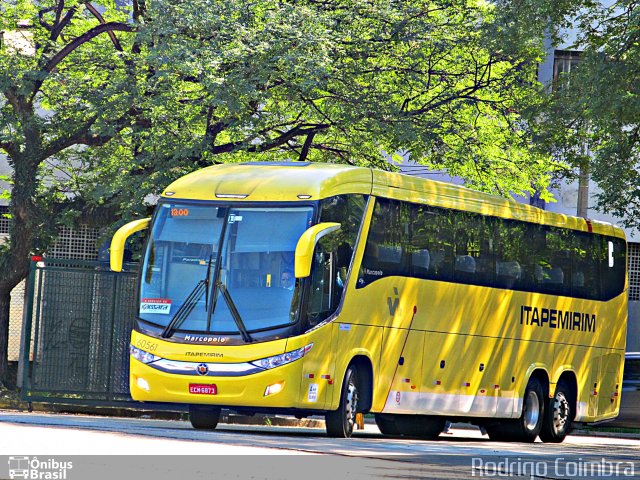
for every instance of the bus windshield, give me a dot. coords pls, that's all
(221, 269)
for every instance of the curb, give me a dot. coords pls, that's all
(595, 433)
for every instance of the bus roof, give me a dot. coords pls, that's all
(296, 181)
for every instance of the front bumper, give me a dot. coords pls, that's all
(148, 384)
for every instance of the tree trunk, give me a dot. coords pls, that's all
(5, 302)
(14, 260)
(583, 192)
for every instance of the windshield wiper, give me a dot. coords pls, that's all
(234, 312)
(190, 302)
(206, 292)
(186, 308)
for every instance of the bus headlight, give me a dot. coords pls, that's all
(141, 355)
(278, 360)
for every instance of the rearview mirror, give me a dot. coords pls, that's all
(119, 239)
(306, 245)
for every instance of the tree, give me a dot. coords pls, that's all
(64, 82)
(590, 119)
(339, 81)
(123, 102)
(605, 98)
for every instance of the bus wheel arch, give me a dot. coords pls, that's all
(543, 377)
(365, 381)
(561, 409)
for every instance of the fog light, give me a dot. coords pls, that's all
(143, 384)
(273, 389)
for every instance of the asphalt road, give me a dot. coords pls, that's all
(105, 447)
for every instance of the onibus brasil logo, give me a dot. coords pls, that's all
(38, 469)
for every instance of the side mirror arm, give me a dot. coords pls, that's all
(120, 237)
(306, 245)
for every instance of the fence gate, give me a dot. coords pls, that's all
(75, 342)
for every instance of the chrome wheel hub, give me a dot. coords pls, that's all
(561, 411)
(532, 411)
(351, 406)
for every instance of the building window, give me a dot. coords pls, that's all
(564, 62)
(4, 220)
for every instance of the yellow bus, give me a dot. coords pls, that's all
(316, 289)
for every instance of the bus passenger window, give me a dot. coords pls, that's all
(387, 244)
(465, 268)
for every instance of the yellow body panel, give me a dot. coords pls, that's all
(205, 353)
(487, 334)
(271, 183)
(240, 391)
(232, 391)
(434, 347)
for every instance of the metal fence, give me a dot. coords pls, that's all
(79, 317)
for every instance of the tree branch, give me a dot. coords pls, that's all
(83, 135)
(279, 141)
(74, 44)
(305, 148)
(42, 21)
(100, 18)
(10, 148)
(13, 100)
(61, 23)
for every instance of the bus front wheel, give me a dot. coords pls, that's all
(204, 417)
(340, 423)
(528, 426)
(559, 415)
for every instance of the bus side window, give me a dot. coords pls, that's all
(322, 291)
(333, 255)
(328, 279)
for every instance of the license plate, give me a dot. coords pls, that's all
(203, 389)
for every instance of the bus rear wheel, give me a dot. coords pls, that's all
(340, 423)
(559, 415)
(528, 426)
(204, 417)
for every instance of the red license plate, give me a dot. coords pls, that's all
(203, 389)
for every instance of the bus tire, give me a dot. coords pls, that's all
(340, 423)
(526, 428)
(386, 424)
(204, 417)
(420, 426)
(559, 414)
